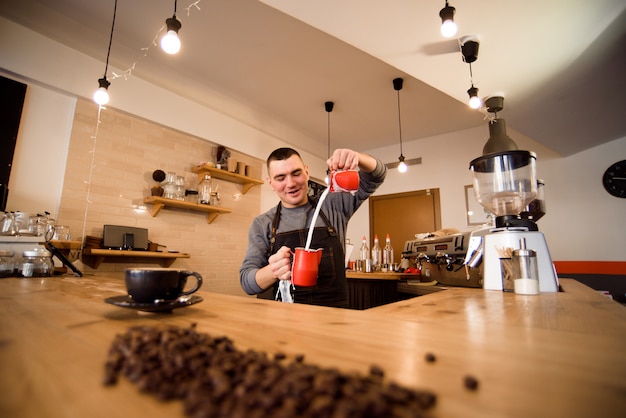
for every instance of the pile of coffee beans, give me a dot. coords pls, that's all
(214, 379)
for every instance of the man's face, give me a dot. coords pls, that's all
(289, 179)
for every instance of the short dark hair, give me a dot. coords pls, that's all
(281, 154)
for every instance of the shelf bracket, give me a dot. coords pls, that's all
(156, 208)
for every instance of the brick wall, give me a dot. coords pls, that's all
(109, 172)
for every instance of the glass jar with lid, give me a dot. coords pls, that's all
(7, 263)
(36, 263)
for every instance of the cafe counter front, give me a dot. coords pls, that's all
(479, 353)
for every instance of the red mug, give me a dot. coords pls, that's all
(344, 181)
(305, 267)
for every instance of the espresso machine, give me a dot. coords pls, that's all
(505, 184)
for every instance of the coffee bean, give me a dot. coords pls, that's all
(470, 382)
(215, 379)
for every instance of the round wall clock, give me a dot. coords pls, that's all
(614, 179)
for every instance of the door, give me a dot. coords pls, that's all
(402, 215)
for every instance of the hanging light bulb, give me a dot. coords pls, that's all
(448, 27)
(474, 100)
(101, 96)
(170, 43)
(329, 108)
(469, 51)
(402, 167)
(397, 85)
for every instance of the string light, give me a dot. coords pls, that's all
(145, 50)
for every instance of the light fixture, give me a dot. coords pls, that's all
(474, 100)
(448, 27)
(170, 43)
(329, 108)
(397, 86)
(469, 51)
(101, 96)
(498, 140)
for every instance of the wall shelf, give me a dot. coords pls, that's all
(246, 182)
(93, 257)
(160, 202)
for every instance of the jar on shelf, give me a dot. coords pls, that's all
(7, 263)
(204, 190)
(36, 263)
(180, 188)
(169, 186)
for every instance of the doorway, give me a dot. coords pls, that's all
(402, 215)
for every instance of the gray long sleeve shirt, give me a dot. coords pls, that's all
(338, 208)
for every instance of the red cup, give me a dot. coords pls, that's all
(305, 267)
(344, 181)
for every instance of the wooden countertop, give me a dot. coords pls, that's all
(555, 354)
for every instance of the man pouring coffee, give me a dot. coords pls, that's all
(275, 234)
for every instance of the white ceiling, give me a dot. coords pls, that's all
(273, 63)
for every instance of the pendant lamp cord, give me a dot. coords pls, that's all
(328, 134)
(399, 122)
(106, 68)
(175, 2)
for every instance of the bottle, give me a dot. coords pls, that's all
(388, 255)
(204, 190)
(364, 254)
(376, 254)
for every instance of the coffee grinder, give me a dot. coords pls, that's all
(505, 183)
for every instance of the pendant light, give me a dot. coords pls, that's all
(101, 96)
(448, 27)
(170, 43)
(397, 85)
(329, 108)
(498, 140)
(469, 51)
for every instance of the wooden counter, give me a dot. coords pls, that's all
(551, 355)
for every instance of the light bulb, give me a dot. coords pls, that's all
(170, 42)
(475, 102)
(101, 96)
(448, 28)
(402, 167)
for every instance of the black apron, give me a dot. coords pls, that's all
(332, 287)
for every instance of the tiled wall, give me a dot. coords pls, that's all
(109, 172)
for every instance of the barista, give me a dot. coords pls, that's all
(274, 234)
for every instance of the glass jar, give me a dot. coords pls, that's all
(36, 263)
(7, 263)
(169, 186)
(204, 190)
(180, 188)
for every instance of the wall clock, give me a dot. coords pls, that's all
(614, 179)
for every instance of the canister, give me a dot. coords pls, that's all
(36, 263)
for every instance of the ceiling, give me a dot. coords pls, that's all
(273, 63)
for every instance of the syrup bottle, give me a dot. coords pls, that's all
(376, 254)
(388, 255)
